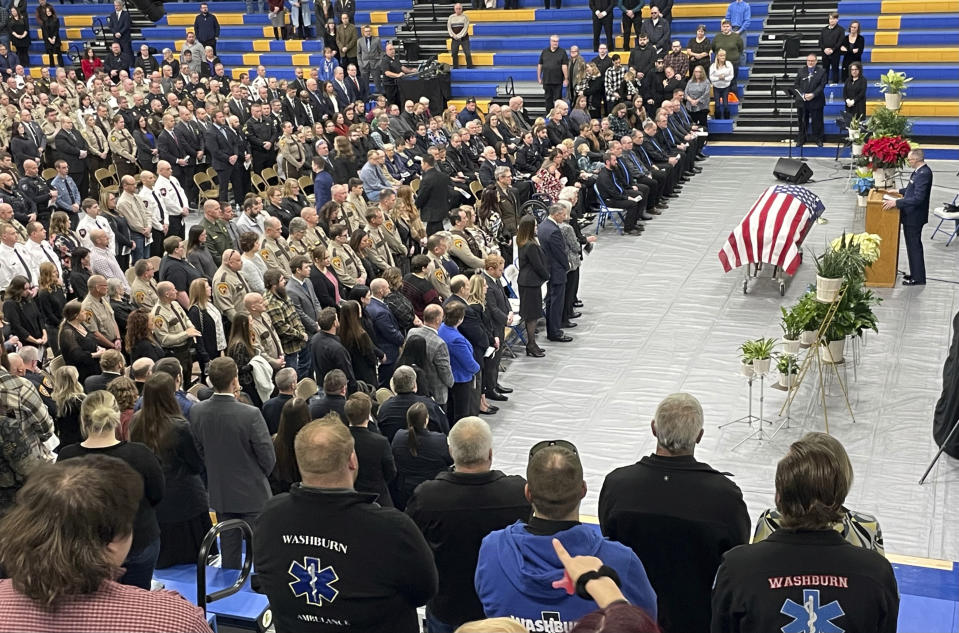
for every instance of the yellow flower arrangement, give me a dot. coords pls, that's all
(868, 244)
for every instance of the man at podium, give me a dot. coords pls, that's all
(811, 100)
(914, 210)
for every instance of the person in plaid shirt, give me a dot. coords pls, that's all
(614, 82)
(677, 60)
(25, 424)
(282, 313)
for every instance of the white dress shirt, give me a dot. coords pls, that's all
(39, 252)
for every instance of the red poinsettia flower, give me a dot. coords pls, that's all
(886, 151)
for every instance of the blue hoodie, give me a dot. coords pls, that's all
(516, 570)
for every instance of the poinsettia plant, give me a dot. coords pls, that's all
(884, 152)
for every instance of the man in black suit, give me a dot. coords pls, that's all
(120, 25)
(340, 90)
(327, 350)
(667, 490)
(72, 147)
(386, 333)
(557, 260)
(285, 381)
(810, 82)
(263, 137)
(222, 145)
(392, 414)
(614, 195)
(176, 152)
(499, 313)
(914, 210)
(487, 167)
(433, 197)
(111, 366)
(333, 399)
(373, 453)
(238, 454)
(602, 13)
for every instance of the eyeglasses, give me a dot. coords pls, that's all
(538, 446)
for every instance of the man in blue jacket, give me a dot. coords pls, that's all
(517, 566)
(386, 329)
(206, 27)
(554, 246)
(914, 206)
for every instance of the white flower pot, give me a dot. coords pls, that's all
(786, 381)
(761, 365)
(857, 149)
(747, 370)
(862, 201)
(833, 351)
(827, 288)
(790, 346)
(808, 337)
(893, 101)
(885, 177)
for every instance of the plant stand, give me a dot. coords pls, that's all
(759, 433)
(814, 356)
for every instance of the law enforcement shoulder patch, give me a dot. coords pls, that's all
(87, 315)
(162, 191)
(458, 242)
(266, 255)
(158, 321)
(223, 288)
(138, 296)
(440, 274)
(389, 225)
(82, 232)
(337, 263)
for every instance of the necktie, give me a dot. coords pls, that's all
(43, 247)
(174, 138)
(26, 268)
(163, 214)
(33, 134)
(73, 199)
(671, 137)
(616, 184)
(176, 190)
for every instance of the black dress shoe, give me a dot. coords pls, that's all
(576, 315)
(653, 211)
(645, 216)
(907, 276)
(702, 156)
(912, 282)
(538, 353)
(496, 396)
(576, 304)
(697, 170)
(569, 324)
(489, 411)
(632, 232)
(562, 338)
(503, 389)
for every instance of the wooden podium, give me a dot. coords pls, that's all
(882, 272)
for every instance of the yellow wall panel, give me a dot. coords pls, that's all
(300, 59)
(887, 38)
(74, 34)
(236, 72)
(479, 59)
(380, 17)
(915, 54)
(251, 59)
(512, 15)
(922, 108)
(294, 46)
(261, 46)
(77, 20)
(703, 10)
(920, 6)
(889, 22)
(187, 19)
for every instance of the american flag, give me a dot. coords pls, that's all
(773, 229)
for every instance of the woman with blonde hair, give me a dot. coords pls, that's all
(408, 221)
(721, 76)
(67, 396)
(99, 419)
(51, 298)
(476, 306)
(207, 319)
(126, 393)
(293, 198)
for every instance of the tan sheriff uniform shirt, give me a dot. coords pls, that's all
(170, 323)
(229, 288)
(143, 293)
(98, 317)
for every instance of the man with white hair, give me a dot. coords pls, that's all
(103, 261)
(456, 510)
(670, 492)
(137, 215)
(172, 197)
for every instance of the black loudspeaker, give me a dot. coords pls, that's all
(791, 46)
(792, 170)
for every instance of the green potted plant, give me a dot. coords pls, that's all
(893, 86)
(758, 353)
(856, 135)
(792, 325)
(788, 366)
(809, 312)
(886, 122)
(747, 358)
(830, 272)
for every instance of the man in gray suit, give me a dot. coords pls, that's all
(439, 374)
(238, 454)
(498, 309)
(299, 290)
(369, 55)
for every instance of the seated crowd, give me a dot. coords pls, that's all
(320, 342)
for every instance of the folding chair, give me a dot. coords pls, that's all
(415, 184)
(56, 363)
(306, 185)
(607, 213)
(258, 185)
(511, 275)
(207, 189)
(476, 187)
(270, 177)
(49, 174)
(107, 180)
(943, 215)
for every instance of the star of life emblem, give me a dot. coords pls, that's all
(810, 616)
(313, 581)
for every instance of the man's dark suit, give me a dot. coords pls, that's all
(602, 24)
(386, 335)
(171, 149)
(612, 192)
(391, 415)
(557, 260)
(811, 81)
(69, 144)
(221, 143)
(497, 309)
(486, 172)
(98, 382)
(328, 354)
(329, 403)
(433, 199)
(914, 213)
(120, 27)
(238, 454)
(376, 466)
(342, 97)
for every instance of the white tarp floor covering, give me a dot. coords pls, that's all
(660, 316)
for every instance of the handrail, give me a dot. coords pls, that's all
(202, 597)
(510, 87)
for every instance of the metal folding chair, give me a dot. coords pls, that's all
(944, 215)
(607, 213)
